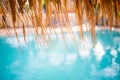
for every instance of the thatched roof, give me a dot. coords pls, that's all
(56, 13)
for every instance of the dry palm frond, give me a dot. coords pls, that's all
(2, 10)
(41, 21)
(30, 3)
(3, 16)
(78, 7)
(118, 12)
(57, 15)
(110, 13)
(12, 4)
(89, 9)
(66, 19)
(21, 4)
(103, 9)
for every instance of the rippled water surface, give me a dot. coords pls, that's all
(59, 60)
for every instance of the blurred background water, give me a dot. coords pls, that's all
(61, 60)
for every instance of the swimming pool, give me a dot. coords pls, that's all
(58, 62)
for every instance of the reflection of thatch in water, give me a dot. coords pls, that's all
(57, 12)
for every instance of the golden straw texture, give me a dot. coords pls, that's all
(49, 15)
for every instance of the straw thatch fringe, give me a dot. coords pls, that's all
(57, 14)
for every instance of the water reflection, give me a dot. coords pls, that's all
(99, 51)
(118, 58)
(57, 62)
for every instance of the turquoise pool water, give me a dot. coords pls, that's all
(58, 62)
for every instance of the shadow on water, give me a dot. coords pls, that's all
(106, 60)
